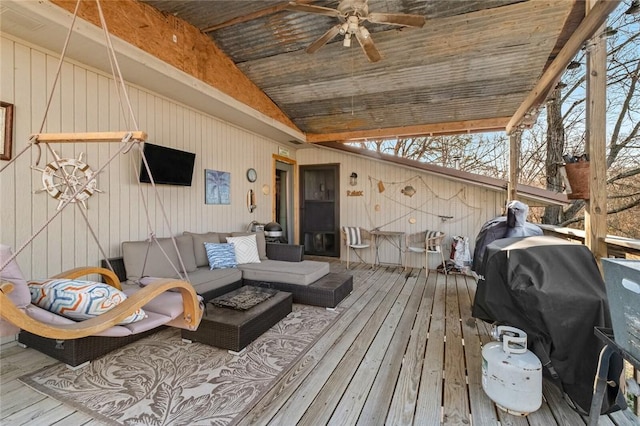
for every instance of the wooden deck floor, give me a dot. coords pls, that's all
(404, 351)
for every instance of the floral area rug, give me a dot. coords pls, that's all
(161, 380)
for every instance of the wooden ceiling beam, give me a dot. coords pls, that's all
(251, 16)
(587, 28)
(438, 129)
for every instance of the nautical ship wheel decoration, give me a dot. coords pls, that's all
(77, 174)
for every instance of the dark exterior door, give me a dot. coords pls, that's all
(320, 209)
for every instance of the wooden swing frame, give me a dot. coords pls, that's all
(190, 320)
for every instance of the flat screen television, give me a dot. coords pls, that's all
(168, 166)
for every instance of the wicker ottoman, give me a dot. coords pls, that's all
(328, 291)
(234, 330)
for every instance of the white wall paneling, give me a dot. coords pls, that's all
(87, 100)
(470, 206)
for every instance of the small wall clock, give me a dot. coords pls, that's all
(252, 175)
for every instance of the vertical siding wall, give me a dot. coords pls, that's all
(470, 206)
(86, 100)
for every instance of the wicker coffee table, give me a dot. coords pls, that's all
(234, 330)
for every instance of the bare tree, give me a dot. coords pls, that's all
(484, 154)
(563, 132)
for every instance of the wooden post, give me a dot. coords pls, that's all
(596, 207)
(514, 164)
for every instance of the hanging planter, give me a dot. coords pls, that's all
(577, 177)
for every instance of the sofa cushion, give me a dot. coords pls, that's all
(168, 304)
(261, 241)
(222, 236)
(47, 317)
(20, 296)
(138, 263)
(187, 253)
(198, 246)
(78, 299)
(205, 280)
(221, 255)
(303, 273)
(246, 249)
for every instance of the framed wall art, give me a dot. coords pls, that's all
(6, 130)
(217, 187)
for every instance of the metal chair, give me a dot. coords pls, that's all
(425, 242)
(355, 238)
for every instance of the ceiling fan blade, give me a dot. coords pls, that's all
(365, 40)
(308, 8)
(397, 19)
(326, 38)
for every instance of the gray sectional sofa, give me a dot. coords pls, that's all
(281, 266)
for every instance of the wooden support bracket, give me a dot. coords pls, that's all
(138, 136)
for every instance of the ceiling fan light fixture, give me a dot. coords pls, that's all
(347, 40)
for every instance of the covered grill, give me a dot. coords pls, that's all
(551, 289)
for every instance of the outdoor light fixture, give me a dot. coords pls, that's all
(353, 179)
(634, 9)
(347, 40)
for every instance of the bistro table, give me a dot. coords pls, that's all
(392, 237)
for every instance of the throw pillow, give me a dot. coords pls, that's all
(221, 256)
(198, 246)
(79, 300)
(142, 258)
(187, 253)
(430, 235)
(246, 249)
(260, 240)
(353, 235)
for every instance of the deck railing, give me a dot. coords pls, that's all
(619, 247)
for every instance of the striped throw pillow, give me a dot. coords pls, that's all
(353, 235)
(79, 300)
(221, 256)
(429, 236)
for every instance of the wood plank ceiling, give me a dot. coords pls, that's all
(472, 64)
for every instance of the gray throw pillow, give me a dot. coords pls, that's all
(187, 252)
(155, 265)
(198, 246)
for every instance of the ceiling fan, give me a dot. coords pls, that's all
(352, 14)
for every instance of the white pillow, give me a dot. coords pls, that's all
(246, 249)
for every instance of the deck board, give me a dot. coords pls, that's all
(429, 402)
(352, 400)
(326, 400)
(481, 406)
(405, 350)
(403, 397)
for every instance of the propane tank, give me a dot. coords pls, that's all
(511, 374)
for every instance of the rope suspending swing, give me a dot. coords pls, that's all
(127, 140)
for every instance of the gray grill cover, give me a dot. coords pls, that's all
(514, 224)
(552, 289)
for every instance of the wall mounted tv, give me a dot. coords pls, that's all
(168, 166)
